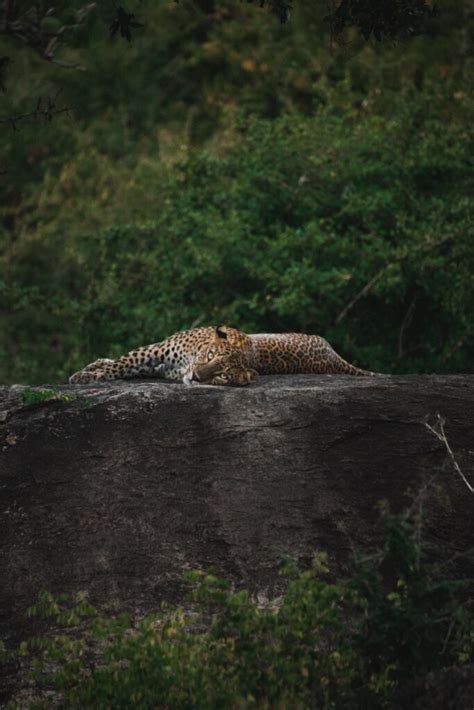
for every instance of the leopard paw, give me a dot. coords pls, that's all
(98, 364)
(84, 377)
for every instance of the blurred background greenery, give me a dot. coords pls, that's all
(225, 167)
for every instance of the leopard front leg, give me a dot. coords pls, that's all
(98, 364)
(105, 369)
(143, 362)
(88, 375)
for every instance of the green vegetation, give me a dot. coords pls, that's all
(229, 168)
(38, 396)
(223, 167)
(351, 643)
(30, 396)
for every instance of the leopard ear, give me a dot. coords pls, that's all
(221, 332)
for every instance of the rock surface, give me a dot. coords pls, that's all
(117, 489)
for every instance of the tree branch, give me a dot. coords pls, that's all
(438, 431)
(363, 292)
(459, 343)
(425, 246)
(406, 320)
(28, 30)
(44, 111)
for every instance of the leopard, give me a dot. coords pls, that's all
(222, 355)
(279, 354)
(212, 348)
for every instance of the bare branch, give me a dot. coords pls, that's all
(67, 65)
(438, 431)
(28, 29)
(406, 320)
(362, 293)
(457, 345)
(45, 111)
(425, 246)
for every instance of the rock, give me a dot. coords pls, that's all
(117, 489)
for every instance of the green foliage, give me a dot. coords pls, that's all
(355, 227)
(225, 168)
(30, 396)
(38, 396)
(324, 644)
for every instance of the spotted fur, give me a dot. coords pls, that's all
(222, 356)
(280, 354)
(174, 358)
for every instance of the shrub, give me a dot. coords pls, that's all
(349, 643)
(356, 228)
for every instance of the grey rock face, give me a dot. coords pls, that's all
(117, 489)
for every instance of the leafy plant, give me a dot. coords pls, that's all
(228, 168)
(357, 229)
(349, 643)
(30, 396)
(38, 396)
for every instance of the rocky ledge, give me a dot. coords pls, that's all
(116, 489)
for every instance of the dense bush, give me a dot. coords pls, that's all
(323, 644)
(354, 226)
(224, 167)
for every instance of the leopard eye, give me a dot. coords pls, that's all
(210, 355)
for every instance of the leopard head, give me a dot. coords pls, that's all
(224, 361)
